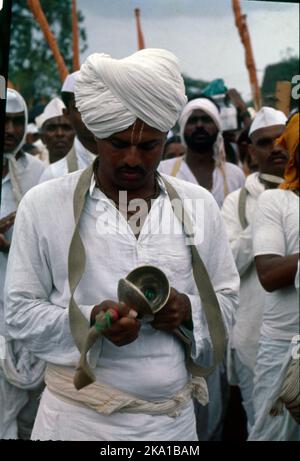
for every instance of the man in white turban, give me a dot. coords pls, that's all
(82, 153)
(238, 212)
(135, 384)
(204, 162)
(21, 171)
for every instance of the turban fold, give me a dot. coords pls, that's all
(289, 140)
(112, 93)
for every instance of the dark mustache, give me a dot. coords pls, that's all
(129, 169)
(277, 154)
(200, 131)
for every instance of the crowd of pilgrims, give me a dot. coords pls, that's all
(248, 162)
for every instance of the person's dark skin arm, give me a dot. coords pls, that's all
(5, 224)
(275, 271)
(240, 105)
(176, 313)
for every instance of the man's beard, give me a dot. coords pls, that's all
(199, 144)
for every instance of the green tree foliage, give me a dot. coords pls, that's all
(32, 68)
(283, 70)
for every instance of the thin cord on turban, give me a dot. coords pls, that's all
(111, 94)
(209, 108)
(289, 140)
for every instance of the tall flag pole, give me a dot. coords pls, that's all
(36, 9)
(141, 43)
(241, 24)
(76, 64)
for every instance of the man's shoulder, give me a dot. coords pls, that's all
(34, 162)
(166, 166)
(187, 189)
(233, 169)
(53, 191)
(57, 168)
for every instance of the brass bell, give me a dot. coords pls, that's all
(146, 289)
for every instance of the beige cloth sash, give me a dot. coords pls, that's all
(85, 337)
(72, 160)
(242, 207)
(106, 399)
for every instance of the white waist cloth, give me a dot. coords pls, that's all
(106, 400)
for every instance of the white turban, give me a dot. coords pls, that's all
(53, 109)
(210, 109)
(15, 103)
(111, 94)
(265, 117)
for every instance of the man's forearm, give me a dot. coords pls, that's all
(275, 271)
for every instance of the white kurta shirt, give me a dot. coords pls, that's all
(234, 176)
(276, 232)
(29, 172)
(37, 290)
(60, 168)
(246, 331)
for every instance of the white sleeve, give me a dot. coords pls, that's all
(221, 268)
(240, 239)
(268, 235)
(41, 326)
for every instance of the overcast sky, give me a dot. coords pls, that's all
(201, 33)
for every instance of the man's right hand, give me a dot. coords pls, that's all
(125, 328)
(7, 222)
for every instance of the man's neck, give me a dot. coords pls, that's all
(197, 160)
(112, 191)
(202, 165)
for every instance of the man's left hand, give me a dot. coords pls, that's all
(176, 312)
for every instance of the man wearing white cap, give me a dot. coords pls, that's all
(21, 171)
(204, 163)
(82, 152)
(238, 212)
(140, 387)
(56, 131)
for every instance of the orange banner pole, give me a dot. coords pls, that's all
(141, 43)
(241, 24)
(76, 63)
(36, 9)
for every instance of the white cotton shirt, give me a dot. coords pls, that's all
(29, 170)
(60, 168)
(37, 289)
(234, 175)
(276, 232)
(246, 330)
